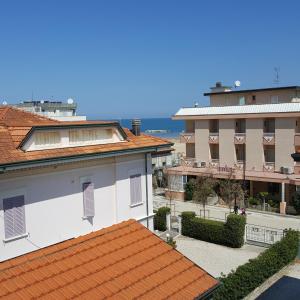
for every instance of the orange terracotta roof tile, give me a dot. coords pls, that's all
(15, 125)
(124, 261)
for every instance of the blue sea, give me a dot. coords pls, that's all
(173, 128)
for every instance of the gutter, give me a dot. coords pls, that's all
(209, 293)
(79, 157)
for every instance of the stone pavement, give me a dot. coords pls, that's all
(216, 259)
(219, 213)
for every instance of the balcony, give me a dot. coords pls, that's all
(213, 138)
(214, 163)
(269, 167)
(239, 165)
(240, 138)
(187, 138)
(269, 138)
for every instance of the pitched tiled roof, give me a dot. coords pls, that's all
(15, 124)
(124, 261)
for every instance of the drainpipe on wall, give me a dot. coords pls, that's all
(147, 196)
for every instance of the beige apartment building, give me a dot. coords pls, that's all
(245, 134)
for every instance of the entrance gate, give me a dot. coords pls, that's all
(264, 236)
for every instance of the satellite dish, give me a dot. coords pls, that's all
(196, 104)
(70, 101)
(237, 83)
(4, 103)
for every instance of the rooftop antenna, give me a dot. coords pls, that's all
(31, 95)
(276, 78)
(237, 84)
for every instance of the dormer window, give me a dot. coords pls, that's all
(89, 136)
(49, 138)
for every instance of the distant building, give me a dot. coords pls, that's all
(249, 134)
(58, 110)
(60, 180)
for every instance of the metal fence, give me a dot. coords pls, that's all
(267, 236)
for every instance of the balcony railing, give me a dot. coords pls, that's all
(269, 138)
(240, 138)
(269, 166)
(187, 137)
(239, 165)
(213, 138)
(214, 163)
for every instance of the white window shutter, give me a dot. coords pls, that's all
(135, 189)
(88, 199)
(19, 213)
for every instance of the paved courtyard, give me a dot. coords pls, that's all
(219, 213)
(216, 259)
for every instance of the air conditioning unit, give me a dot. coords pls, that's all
(286, 170)
(203, 164)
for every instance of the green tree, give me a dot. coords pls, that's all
(204, 188)
(189, 189)
(296, 202)
(230, 190)
(263, 196)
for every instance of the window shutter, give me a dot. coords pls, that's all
(19, 214)
(135, 189)
(88, 199)
(14, 216)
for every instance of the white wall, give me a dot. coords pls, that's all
(54, 202)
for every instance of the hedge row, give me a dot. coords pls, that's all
(249, 276)
(160, 222)
(229, 234)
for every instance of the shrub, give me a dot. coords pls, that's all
(230, 233)
(160, 222)
(249, 276)
(253, 201)
(189, 189)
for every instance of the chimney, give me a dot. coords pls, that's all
(220, 88)
(136, 127)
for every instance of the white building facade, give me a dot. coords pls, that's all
(46, 201)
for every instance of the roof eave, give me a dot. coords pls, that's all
(80, 157)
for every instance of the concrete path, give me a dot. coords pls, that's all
(215, 259)
(218, 213)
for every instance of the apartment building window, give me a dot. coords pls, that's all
(214, 151)
(88, 199)
(14, 217)
(214, 126)
(269, 152)
(269, 126)
(253, 98)
(135, 190)
(240, 126)
(274, 99)
(242, 100)
(240, 152)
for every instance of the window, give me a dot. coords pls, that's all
(88, 199)
(135, 189)
(89, 136)
(47, 138)
(242, 100)
(274, 99)
(253, 98)
(14, 216)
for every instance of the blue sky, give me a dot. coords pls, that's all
(142, 58)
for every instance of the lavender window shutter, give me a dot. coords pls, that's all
(19, 214)
(88, 199)
(14, 216)
(8, 207)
